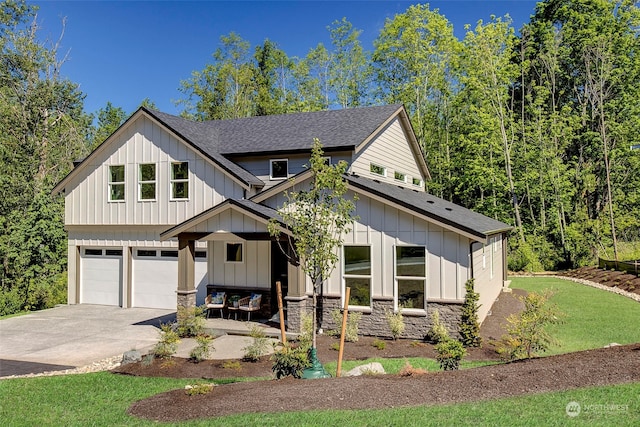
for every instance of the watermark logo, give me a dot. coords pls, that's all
(573, 409)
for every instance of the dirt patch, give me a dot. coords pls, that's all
(611, 278)
(589, 368)
(614, 365)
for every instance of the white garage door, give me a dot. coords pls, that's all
(155, 277)
(101, 276)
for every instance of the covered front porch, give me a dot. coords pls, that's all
(242, 259)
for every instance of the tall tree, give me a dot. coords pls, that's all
(316, 220)
(43, 129)
(109, 120)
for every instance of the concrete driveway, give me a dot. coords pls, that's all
(75, 335)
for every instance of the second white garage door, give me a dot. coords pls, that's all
(155, 277)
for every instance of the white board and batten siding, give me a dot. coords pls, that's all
(488, 272)
(143, 141)
(390, 150)
(260, 166)
(383, 227)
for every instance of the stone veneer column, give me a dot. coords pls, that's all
(186, 273)
(296, 307)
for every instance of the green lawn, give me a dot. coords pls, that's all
(102, 399)
(593, 317)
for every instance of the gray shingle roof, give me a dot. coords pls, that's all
(433, 207)
(223, 139)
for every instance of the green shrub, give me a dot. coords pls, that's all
(290, 360)
(438, 332)
(469, 325)
(335, 346)
(203, 350)
(200, 388)
(10, 301)
(190, 321)
(353, 321)
(395, 322)
(260, 345)
(168, 344)
(379, 344)
(526, 334)
(232, 364)
(450, 353)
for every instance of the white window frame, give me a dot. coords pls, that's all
(142, 182)
(404, 176)
(226, 252)
(123, 183)
(375, 165)
(173, 180)
(271, 162)
(420, 182)
(346, 276)
(396, 278)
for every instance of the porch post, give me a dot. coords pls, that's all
(186, 272)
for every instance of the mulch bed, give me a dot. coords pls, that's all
(614, 279)
(589, 368)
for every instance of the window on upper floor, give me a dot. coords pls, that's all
(147, 181)
(377, 169)
(179, 180)
(279, 169)
(411, 276)
(116, 183)
(417, 182)
(357, 274)
(399, 176)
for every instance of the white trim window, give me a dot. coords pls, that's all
(278, 169)
(399, 176)
(234, 252)
(147, 181)
(417, 182)
(179, 180)
(116, 183)
(377, 170)
(357, 274)
(411, 276)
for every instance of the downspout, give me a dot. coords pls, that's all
(471, 259)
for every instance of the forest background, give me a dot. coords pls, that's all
(539, 128)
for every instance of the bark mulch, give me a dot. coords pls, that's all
(589, 368)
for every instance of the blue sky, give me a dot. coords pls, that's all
(125, 51)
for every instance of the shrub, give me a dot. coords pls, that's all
(438, 332)
(260, 345)
(232, 364)
(335, 346)
(353, 321)
(469, 325)
(395, 322)
(290, 360)
(379, 344)
(450, 353)
(201, 388)
(168, 344)
(190, 321)
(526, 334)
(203, 350)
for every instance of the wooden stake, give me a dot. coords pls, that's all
(281, 311)
(342, 331)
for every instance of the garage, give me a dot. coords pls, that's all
(155, 276)
(101, 276)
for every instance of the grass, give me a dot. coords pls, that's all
(593, 317)
(103, 399)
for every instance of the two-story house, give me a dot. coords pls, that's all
(166, 208)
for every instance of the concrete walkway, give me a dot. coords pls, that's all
(79, 335)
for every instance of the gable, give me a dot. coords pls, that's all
(142, 140)
(391, 156)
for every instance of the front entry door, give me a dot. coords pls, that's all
(279, 272)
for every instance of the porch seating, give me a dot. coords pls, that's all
(250, 304)
(216, 300)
